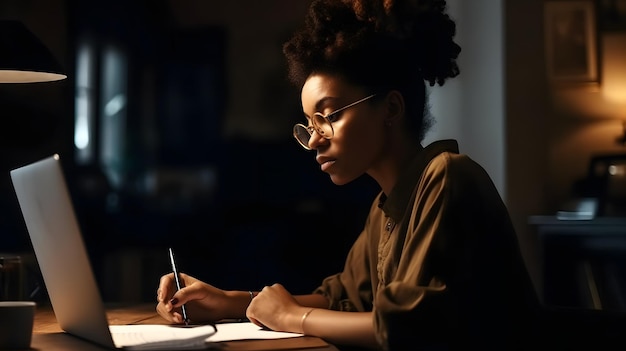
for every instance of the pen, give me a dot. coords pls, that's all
(176, 277)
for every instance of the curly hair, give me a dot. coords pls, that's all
(381, 45)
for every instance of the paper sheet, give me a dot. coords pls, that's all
(160, 337)
(246, 331)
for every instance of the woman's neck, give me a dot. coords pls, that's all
(393, 162)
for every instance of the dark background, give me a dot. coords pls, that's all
(242, 206)
(207, 161)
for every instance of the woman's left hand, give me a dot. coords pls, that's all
(275, 308)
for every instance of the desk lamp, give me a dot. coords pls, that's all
(23, 58)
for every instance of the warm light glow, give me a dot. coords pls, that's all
(614, 68)
(11, 76)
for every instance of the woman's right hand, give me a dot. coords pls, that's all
(203, 302)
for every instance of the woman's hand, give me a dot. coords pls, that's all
(204, 302)
(275, 308)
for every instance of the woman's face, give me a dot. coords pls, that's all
(359, 136)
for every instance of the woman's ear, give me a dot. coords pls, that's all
(394, 104)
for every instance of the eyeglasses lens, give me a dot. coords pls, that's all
(322, 126)
(302, 135)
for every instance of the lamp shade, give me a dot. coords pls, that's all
(24, 58)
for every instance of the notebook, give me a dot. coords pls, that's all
(60, 251)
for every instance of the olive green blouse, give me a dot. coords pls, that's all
(438, 261)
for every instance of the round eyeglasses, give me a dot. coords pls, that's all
(322, 124)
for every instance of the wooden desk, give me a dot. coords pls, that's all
(48, 336)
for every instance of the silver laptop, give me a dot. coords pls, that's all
(58, 244)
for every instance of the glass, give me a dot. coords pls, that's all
(321, 124)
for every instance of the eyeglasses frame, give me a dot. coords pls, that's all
(314, 127)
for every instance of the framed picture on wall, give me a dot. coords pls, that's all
(570, 39)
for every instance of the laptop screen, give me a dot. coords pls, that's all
(58, 244)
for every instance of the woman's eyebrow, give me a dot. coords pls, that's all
(320, 104)
(323, 102)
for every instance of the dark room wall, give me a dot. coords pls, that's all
(227, 187)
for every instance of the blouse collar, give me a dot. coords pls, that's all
(394, 205)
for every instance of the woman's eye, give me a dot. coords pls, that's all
(333, 116)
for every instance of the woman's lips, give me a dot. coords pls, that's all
(327, 164)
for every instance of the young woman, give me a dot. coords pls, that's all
(437, 264)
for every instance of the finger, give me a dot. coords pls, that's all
(177, 318)
(192, 292)
(164, 312)
(167, 312)
(165, 284)
(187, 294)
(180, 297)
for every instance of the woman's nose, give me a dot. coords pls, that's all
(316, 139)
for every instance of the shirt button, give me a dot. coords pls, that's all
(389, 225)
